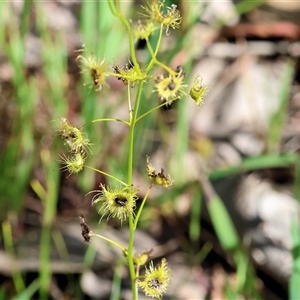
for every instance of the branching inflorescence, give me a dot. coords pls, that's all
(120, 201)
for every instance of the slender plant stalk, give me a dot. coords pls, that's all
(141, 208)
(154, 53)
(110, 119)
(130, 37)
(110, 241)
(150, 111)
(106, 174)
(133, 118)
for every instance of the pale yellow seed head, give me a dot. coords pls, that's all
(117, 203)
(156, 280)
(95, 68)
(169, 88)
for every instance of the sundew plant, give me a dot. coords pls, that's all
(120, 200)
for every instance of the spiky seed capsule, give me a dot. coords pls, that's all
(73, 164)
(73, 137)
(158, 178)
(142, 30)
(95, 68)
(128, 74)
(171, 18)
(198, 90)
(156, 280)
(119, 203)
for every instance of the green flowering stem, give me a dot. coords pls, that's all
(141, 208)
(156, 61)
(110, 241)
(117, 4)
(130, 37)
(154, 54)
(110, 119)
(157, 44)
(150, 111)
(130, 258)
(129, 100)
(112, 9)
(106, 174)
(133, 117)
(172, 72)
(116, 11)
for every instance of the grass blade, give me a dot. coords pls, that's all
(256, 163)
(29, 292)
(278, 118)
(294, 283)
(223, 225)
(9, 248)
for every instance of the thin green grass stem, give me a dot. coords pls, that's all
(60, 245)
(117, 280)
(194, 225)
(221, 220)
(28, 293)
(9, 248)
(256, 163)
(50, 202)
(297, 180)
(88, 22)
(182, 139)
(89, 257)
(22, 133)
(38, 189)
(202, 254)
(278, 118)
(25, 18)
(294, 286)
(45, 271)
